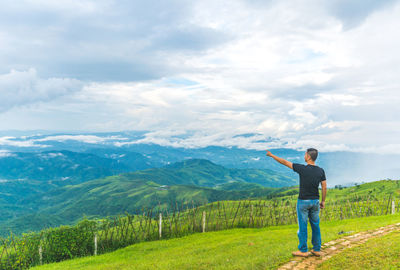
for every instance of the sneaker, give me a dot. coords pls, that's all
(300, 254)
(316, 253)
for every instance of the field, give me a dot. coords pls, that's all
(251, 248)
(101, 236)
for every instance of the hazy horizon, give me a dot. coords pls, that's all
(251, 141)
(342, 167)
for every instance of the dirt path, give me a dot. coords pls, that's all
(336, 246)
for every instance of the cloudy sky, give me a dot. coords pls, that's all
(305, 73)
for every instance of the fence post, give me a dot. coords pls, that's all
(160, 222)
(95, 244)
(393, 207)
(40, 255)
(251, 215)
(204, 221)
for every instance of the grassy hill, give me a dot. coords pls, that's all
(372, 190)
(377, 189)
(222, 215)
(265, 248)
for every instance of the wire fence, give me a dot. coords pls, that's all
(91, 237)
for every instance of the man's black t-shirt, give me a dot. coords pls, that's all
(310, 177)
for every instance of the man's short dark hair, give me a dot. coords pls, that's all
(313, 153)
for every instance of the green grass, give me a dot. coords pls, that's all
(228, 249)
(221, 216)
(377, 253)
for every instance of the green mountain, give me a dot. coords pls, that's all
(202, 172)
(27, 174)
(200, 181)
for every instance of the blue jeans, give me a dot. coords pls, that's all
(308, 209)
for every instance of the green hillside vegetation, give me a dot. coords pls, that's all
(119, 194)
(27, 174)
(236, 185)
(201, 172)
(14, 191)
(250, 248)
(113, 196)
(191, 180)
(219, 215)
(373, 190)
(377, 189)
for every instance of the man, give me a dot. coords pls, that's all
(308, 203)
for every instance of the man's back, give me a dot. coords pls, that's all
(308, 204)
(310, 178)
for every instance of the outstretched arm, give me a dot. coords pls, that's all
(280, 160)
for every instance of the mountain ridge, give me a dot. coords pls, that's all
(189, 180)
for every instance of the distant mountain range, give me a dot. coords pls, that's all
(54, 179)
(135, 152)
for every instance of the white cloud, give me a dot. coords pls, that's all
(82, 138)
(27, 141)
(25, 87)
(13, 141)
(5, 153)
